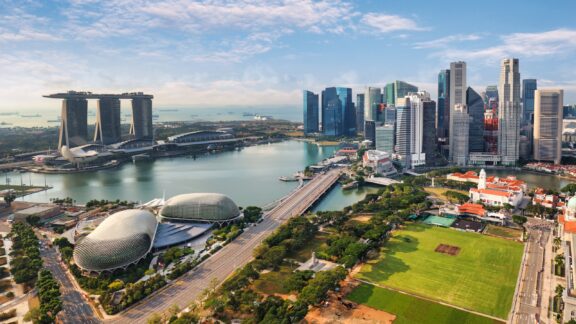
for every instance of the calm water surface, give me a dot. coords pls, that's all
(249, 177)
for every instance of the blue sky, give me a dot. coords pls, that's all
(263, 53)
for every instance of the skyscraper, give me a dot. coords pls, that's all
(370, 131)
(402, 89)
(142, 127)
(338, 117)
(311, 112)
(491, 93)
(548, 125)
(360, 113)
(476, 112)
(108, 130)
(385, 138)
(429, 145)
(390, 115)
(417, 102)
(528, 88)
(372, 100)
(74, 124)
(443, 111)
(457, 96)
(403, 131)
(460, 141)
(509, 112)
(389, 94)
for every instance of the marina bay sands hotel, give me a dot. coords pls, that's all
(74, 119)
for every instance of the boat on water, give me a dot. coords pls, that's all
(288, 179)
(168, 110)
(5, 124)
(31, 116)
(141, 157)
(351, 185)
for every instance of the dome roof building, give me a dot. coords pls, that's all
(200, 207)
(122, 239)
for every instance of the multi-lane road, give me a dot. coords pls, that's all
(529, 298)
(188, 288)
(75, 309)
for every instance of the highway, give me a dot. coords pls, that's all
(529, 296)
(187, 288)
(74, 308)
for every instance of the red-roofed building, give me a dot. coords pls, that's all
(546, 200)
(469, 176)
(498, 192)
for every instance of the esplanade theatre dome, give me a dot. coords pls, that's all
(119, 241)
(200, 207)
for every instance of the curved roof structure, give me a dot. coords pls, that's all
(120, 240)
(200, 207)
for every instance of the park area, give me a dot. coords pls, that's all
(409, 309)
(478, 273)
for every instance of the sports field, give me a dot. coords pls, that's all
(481, 277)
(410, 309)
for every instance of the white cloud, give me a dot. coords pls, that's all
(385, 23)
(554, 42)
(444, 41)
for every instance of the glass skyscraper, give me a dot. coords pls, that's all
(359, 113)
(528, 88)
(443, 109)
(311, 112)
(372, 100)
(403, 131)
(338, 116)
(385, 138)
(476, 112)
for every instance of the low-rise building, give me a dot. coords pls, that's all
(498, 192)
(379, 161)
(43, 212)
(541, 197)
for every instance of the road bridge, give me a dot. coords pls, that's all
(186, 289)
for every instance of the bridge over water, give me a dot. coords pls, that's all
(238, 253)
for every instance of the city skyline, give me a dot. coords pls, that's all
(195, 53)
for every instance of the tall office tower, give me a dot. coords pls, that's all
(311, 112)
(491, 92)
(370, 131)
(389, 94)
(429, 143)
(509, 113)
(476, 112)
(548, 125)
(360, 113)
(141, 127)
(108, 130)
(338, 117)
(417, 102)
(457, 96)
(74, 124)
(403, 131)
(528, 88)
(443, 112)
(385, 138)
(402, 89)
(491, 131)
(389, 115)
(460, 141)
(372, 100)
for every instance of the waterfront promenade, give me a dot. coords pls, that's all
(221, 265)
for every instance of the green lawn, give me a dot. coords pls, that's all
(504, 232)
(482, 277)
(305, 253)
(273, 282)
(410, 310)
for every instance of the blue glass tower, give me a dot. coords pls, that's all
(528, 88)
(475, 105)
(311, 112)
(338, 115)
(443, 108)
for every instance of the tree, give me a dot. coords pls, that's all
(10, 197)
(252, 214)
(33, 315)
(569, 189)
(519, 219)
(155, 318)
